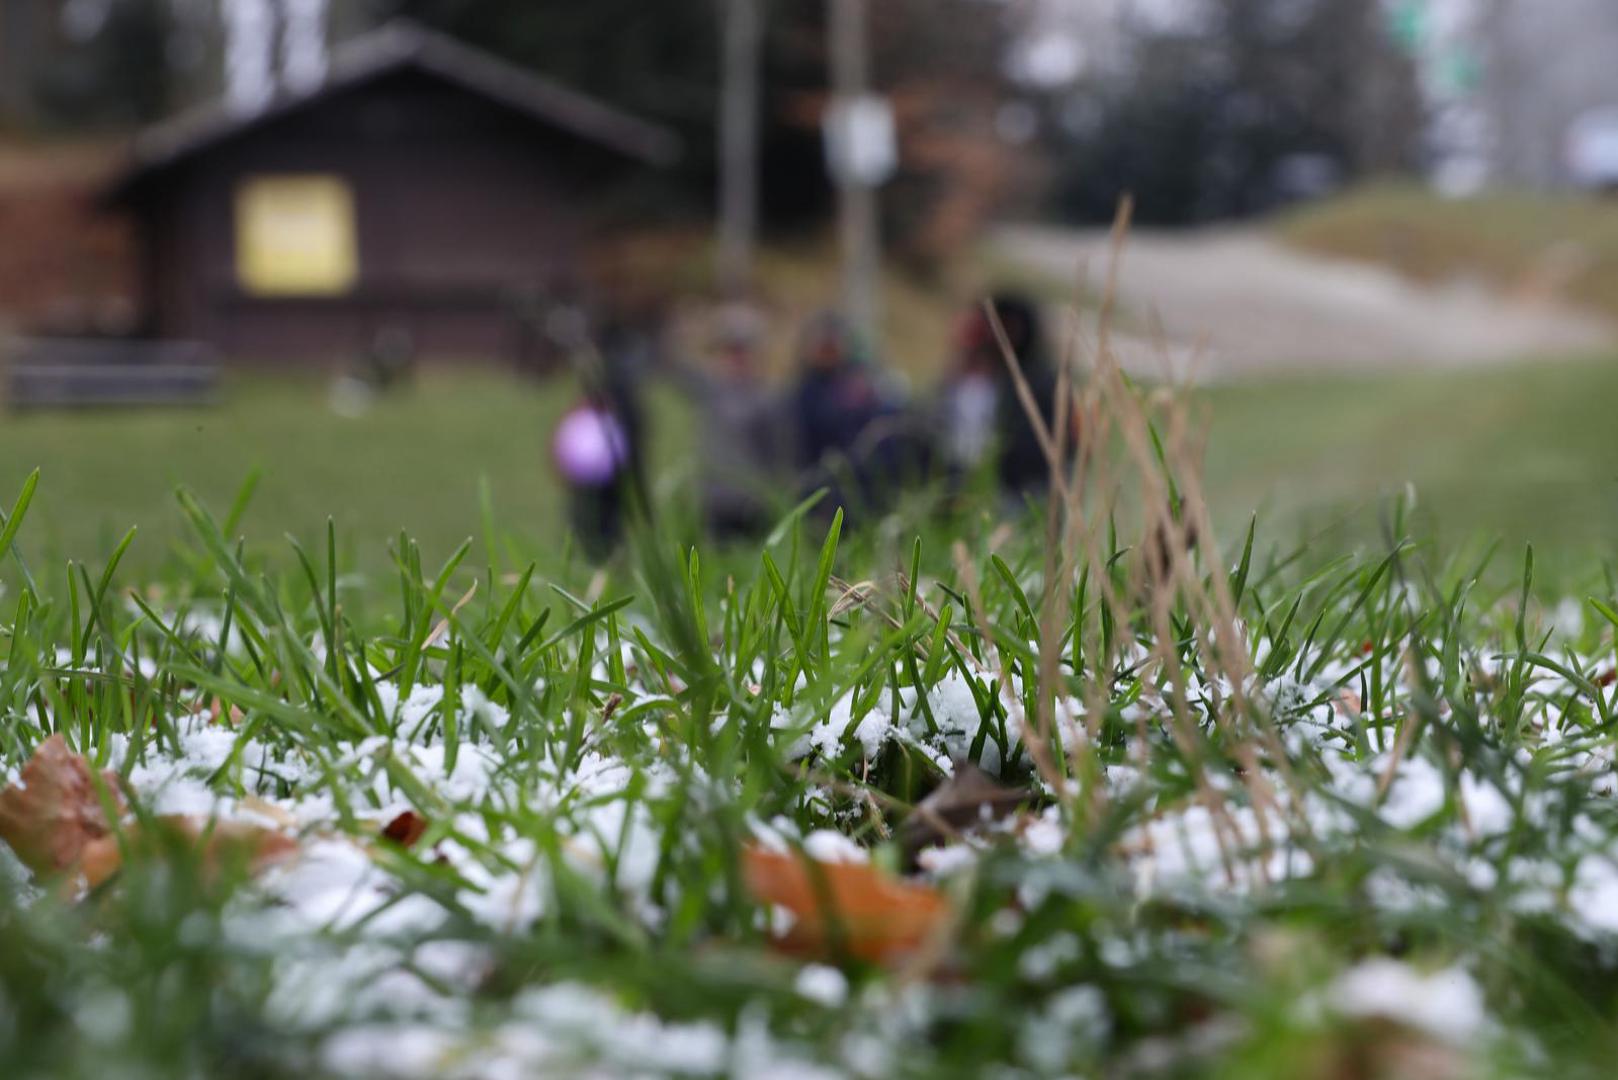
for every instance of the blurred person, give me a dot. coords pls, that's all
(386, 366)
(628, 352)
(741, 435)
(981, 414)
(592, 452)
(835, 402)
(598, 446)
(390, 362)
(968, 405)
(835, 397)
(1021, 464)
(855, 438)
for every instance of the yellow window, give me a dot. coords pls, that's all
(295, 236)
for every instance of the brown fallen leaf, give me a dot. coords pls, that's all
(845, 908)
(275, 812)
(217, 712)
(968, 797)
(405, 829)
(217, 841)
(54, 811)
(55, 821)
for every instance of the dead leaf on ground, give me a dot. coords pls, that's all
(845, 908)
(264, 808)
(217, 843)
(54, 811)
(405, 829)
(54, 819)
(218, 713)
(967, 798)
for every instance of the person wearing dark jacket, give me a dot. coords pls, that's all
(599, 445)
(593, 455)
(835, 398)
(744, 442)
(984, 386)
(853, 438)
(1023, 466)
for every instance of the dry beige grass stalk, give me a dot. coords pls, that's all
(1104, 438)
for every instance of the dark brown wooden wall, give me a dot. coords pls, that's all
(459, 205)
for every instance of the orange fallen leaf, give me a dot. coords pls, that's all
(55, 821)
(54, 811)
(852, 908)
(405, 829)
(275, 812)
(217, 843)
(100, 860)
(217, 713)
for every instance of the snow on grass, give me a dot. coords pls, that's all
(395, 994)
(1447, 1003)
(1427, 805)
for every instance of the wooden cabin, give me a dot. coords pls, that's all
(424, 192)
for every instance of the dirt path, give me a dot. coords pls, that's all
(1233, 302)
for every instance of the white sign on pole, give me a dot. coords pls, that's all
(861, 145)
(1592, 148)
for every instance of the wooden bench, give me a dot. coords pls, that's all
(61, 373)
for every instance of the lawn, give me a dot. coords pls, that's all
(423, 459)
(1518, 453)
(420, 461)
(1531, 245)
(1522, 453)
(913, 800)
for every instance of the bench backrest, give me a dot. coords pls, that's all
(74, 372)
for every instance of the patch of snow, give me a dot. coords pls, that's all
(822, 984)
(1447, 1004)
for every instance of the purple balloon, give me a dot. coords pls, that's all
(590, 447)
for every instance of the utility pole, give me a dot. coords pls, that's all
(856, 186)
(738, 144)
(19, 55)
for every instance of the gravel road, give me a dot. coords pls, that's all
(1217, 304)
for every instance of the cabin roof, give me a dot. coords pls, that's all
(402, 45)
